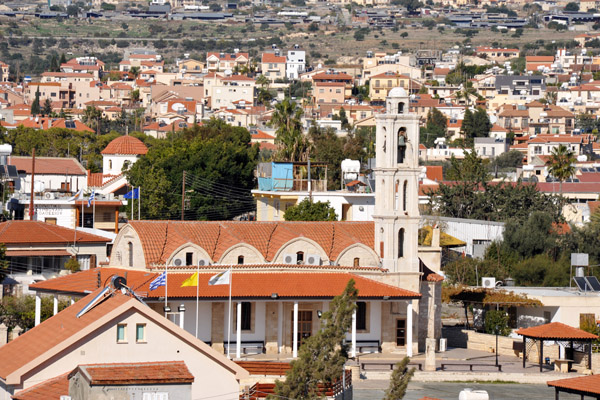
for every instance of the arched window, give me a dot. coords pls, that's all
(404, 191)
(357, 262)
(401, 243)
(240, 259)
(300, 257)
(400, 108)
(401, 145)
(130, 248)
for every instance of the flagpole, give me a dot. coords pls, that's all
(139, 202)
(166, 291)
(197, 295)
(82, 212)
(229, 315)
(94, 211)
(132, 204)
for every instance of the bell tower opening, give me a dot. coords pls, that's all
(401, 145)
(401, 108)
(401, 243)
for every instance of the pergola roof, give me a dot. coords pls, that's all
(585, 385)
(556, 331)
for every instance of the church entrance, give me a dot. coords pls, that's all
(304, 325)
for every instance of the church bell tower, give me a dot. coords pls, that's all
(396, 185)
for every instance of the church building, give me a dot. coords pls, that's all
(283, 275)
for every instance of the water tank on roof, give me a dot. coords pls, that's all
(350, 169)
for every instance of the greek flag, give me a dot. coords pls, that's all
(159, 281)
(92, 198)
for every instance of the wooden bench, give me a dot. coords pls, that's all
(471, 365)
(368, 344)
(385, 365)
(247, 347)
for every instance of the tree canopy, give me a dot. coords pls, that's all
(219, 164)
(306, 210)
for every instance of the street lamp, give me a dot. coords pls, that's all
(497, 345)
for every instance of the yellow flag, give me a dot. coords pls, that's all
(191, 281)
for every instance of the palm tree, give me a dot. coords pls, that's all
(561, 163)
(551, 97)
(263, 81)
(294, 145)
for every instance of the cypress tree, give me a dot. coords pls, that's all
(47, 110)
(399, 380)
(35, 106)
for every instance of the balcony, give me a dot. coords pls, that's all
(291, 177)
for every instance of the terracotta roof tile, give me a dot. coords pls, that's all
(126, 145)
(555, 330)
(272, 58)
(52, 332)
(285, 284)
(21, 232)
(266, 237)
(51, 389)
(584, 385)
(167, 372)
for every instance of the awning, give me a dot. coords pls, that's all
(37, 253)
(426, 233)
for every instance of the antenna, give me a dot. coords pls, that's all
(116, 283)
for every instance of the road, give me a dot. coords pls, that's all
(450, 391)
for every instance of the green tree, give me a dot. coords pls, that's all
(219, 164)
(313, 27)
(496, 321)
(3, 262)
(561, 163)
(475, 124)
(572, 6)
(470, 169)
(21, 310)
(72, 265)
(436, 127)
(47, 109)
(92, 117)
(307, 210)
(294, 146)
(321, 357)
(399, 380)
(35, 106)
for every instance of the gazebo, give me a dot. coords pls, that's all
(582, 385)
(556, 331)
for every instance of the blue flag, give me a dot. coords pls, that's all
(134, 194)
(92, 198)
(160, 280)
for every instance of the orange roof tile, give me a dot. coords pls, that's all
(555, 330)
(272, 58)
(21, 232)
(166, 372)
(126, 145)
(50, 389)
(584, 385)
(49, 165)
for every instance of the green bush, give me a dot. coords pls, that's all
(496, 319)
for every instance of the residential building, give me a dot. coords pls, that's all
(226, 61)
(228, 90)
(85, 65)
(273, 66)
(117, 329)
(331, 87)
(381, 84)
(525, 87)
(4, 72)
(497, 55)
(296, 63)
(490, 147)
(142, 62)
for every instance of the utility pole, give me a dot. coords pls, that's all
(31, 212)
(182, 195)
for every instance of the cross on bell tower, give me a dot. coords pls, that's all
(396, 188)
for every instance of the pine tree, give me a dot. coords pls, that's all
(321, 357)
(54, 67)
(63, 59)
(399, 380)
(35, 106)
(467, 126)
(47, 110)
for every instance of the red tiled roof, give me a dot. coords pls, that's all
(555, 330)
(593, 205)
(285, 284)
(584, 385)
(50, 389)
(87, 281)
(126, 145)
(36, 253)
(272, 58)
(166, 372)
(49, 165)
(22, 232)
(569, 187)
(161, 238)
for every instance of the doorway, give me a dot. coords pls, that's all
(304, 326)
(400, 332)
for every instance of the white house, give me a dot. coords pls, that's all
(296, 63)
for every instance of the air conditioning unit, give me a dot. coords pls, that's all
(488, 283)
(178, 262)
(289, 259)
(49, 196)
(203, 262)
(63, 397)
(313, 259)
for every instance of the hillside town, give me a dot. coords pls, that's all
(250, 200)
